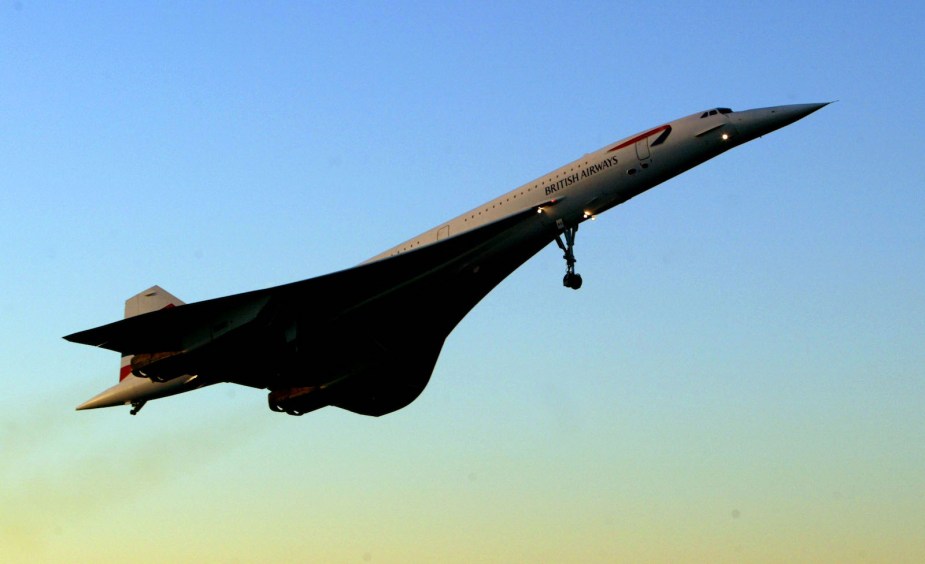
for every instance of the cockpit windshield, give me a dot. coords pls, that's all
(716, 111)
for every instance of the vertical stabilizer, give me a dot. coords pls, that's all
(152, 299)
(132, 389)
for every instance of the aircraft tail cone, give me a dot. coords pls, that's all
(119, 394)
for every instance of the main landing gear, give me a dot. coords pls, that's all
(571, 279)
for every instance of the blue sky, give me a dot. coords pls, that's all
(740, 378)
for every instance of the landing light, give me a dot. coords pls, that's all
(539, 210)
(725, 136)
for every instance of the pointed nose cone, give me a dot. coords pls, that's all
(755, 123)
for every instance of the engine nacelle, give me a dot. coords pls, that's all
(298, 401)
(161, 366)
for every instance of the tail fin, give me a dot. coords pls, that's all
(152, 299)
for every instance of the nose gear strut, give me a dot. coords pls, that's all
(571, 279)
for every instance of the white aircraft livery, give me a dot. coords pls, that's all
(366, 339)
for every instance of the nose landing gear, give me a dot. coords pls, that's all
(571, 279)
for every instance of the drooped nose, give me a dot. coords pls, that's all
(761, 121)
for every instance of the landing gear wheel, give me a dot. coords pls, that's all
(571, 279)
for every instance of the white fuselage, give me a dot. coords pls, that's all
(569, 195)
(597, 181)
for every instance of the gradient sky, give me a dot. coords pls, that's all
(739, 379)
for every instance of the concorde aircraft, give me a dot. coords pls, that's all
(366, 339)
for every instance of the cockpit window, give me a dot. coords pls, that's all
(716, 111)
